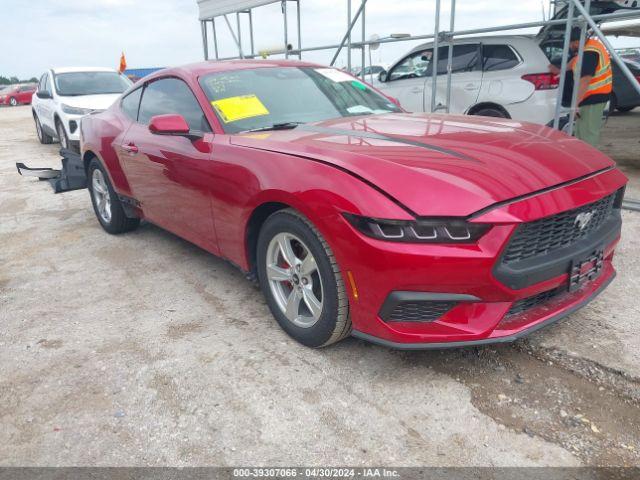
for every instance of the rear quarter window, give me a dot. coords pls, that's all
(498, 57)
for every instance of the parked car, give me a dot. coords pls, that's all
(500, 76)
(624, 96)
(409, 230)
(17, 95)
(64, 95)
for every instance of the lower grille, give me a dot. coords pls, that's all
(536, 300)
(427, 311)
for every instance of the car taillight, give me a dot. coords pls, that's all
(543, 81)
(638, 78)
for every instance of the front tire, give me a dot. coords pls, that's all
(301, 280)
(42, 136)
(62, 135)
(106, 204)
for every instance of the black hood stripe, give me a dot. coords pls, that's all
(380, 136)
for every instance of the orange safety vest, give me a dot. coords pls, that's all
(602, 80)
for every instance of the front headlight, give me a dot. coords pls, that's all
(419, 231)
(75, 110)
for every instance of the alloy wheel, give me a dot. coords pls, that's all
(101, 195)
(13, 102)
(294, 279)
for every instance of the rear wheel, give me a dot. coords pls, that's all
(13, 101)
(624, 109)
(106, 204)
(301, 280)
(490, 112)
(42, 136)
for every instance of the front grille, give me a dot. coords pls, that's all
(528, 303)
(426, 311)
(548, 234)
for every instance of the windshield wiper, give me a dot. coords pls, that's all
(276, 126)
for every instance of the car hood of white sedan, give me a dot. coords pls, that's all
(93, 102)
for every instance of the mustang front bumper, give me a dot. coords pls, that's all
(416, 296)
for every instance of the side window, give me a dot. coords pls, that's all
(170, 95)
(498, 57)
(464, 59)
(414, 66)
(42, 86)
(49, 87)
(130, 103)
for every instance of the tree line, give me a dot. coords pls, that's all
(14, 80)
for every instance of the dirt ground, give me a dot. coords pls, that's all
(142, 349)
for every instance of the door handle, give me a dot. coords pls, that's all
(470, 86)
(416, 90)
(131, 149)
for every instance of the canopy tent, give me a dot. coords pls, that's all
(209, 9)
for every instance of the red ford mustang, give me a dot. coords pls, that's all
(409, 230)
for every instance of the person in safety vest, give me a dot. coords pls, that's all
(594, 89)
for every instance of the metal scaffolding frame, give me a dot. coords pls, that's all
(582, 19)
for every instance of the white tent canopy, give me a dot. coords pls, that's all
(213, 8)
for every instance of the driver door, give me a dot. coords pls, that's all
(406, 81)
(170, 175)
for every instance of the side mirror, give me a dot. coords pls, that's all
(170, 124)
(382, 76)
(43, 94)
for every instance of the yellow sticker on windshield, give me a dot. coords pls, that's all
(233, 109)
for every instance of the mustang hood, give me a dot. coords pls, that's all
(424, 161)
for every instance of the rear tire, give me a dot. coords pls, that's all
(490, 112)
(13, 102)
(624, 109)
(304, 290)
(105, 201)
(42, 136)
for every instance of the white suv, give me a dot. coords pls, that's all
(64, 95)
(499, 76)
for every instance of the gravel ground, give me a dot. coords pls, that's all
(142, 349)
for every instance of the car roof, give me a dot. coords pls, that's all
(489, 39)
(57, 70)
(213, 66)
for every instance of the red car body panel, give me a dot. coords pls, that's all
(22, 97)
(528, 157)
(393, 166)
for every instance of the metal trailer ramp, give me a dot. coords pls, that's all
(71, 176)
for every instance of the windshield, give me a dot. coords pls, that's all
(261, 98)
(90, 83)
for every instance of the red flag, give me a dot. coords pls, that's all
(123, 63)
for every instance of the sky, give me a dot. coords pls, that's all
(158, 33)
